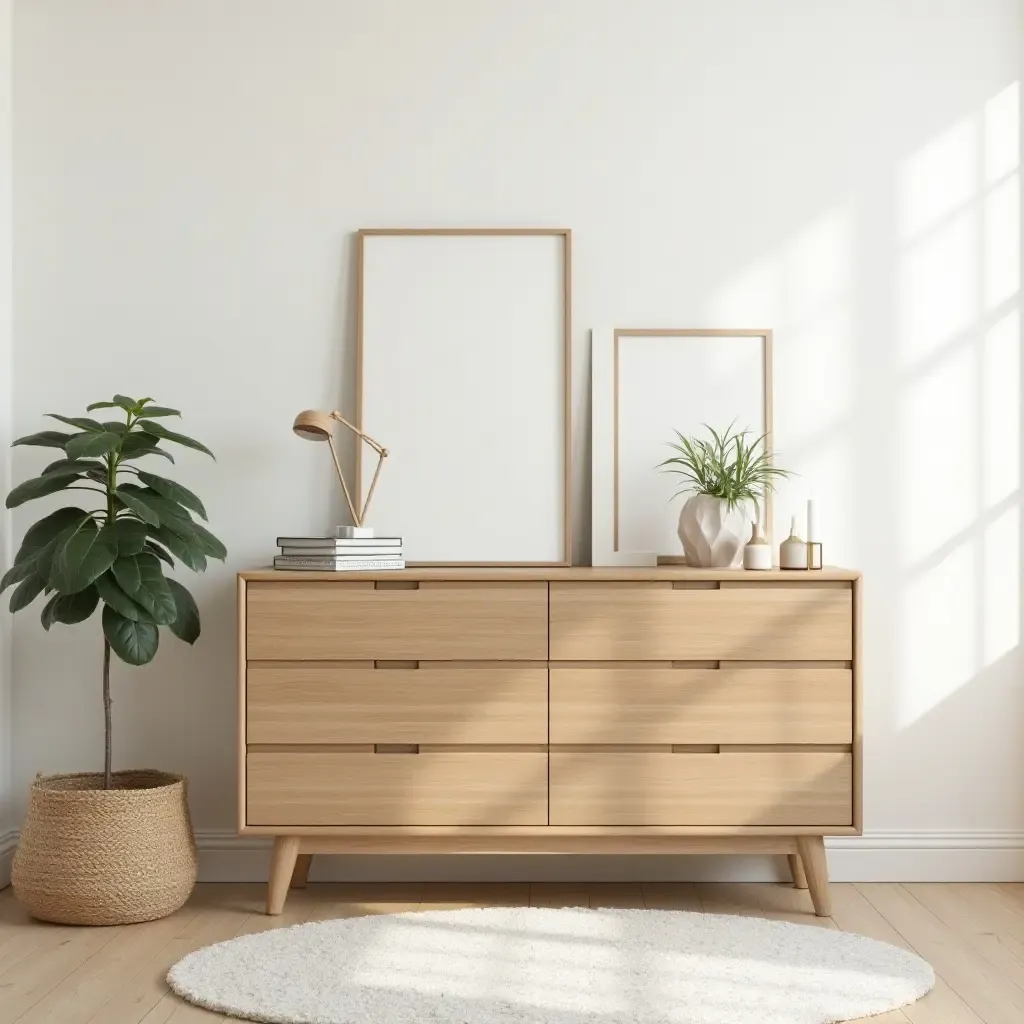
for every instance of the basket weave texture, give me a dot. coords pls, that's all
(102, 857)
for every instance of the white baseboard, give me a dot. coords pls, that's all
(882, 856)
(8, 841)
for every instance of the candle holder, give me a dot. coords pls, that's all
(815, 557)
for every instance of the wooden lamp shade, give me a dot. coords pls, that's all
(316, 425)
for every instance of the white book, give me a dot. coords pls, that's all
(288, 551)
(339, 543)
(314, 563)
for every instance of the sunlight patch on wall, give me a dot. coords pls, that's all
(937, 288)
(1001, 411)
(936, 497)
(1001, 233)
(937, 180)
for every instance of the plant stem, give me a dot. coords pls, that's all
(107, 732)
(107, 746)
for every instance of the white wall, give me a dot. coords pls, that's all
(7, 818)
(188, 175)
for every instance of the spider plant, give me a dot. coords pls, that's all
(727, 466)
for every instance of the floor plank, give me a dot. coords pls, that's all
(984, 988)
(852, 912)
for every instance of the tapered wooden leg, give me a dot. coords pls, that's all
(812, 853)
(797, 867)
(282, 864)
(301, 873)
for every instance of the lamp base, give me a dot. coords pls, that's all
(353, 532)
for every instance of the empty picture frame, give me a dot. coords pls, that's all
(463, 364)
(648, 383)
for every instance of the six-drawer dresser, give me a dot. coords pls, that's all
(664, 710)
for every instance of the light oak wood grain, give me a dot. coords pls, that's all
(812, 856)
(658, 621)
(707, 789)
(495, 621)
(730, 705)
(577, 573)
(307, 703)
(397, 789)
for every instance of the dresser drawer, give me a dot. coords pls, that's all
(730, 622)
(641, 704)
(358, 621)
(306, 702)
(327, 788)
(637, 788)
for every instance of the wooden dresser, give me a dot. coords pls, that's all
(665, 710)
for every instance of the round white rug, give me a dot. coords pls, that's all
(520, 965)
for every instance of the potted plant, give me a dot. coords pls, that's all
(727, 477)
(111, 847)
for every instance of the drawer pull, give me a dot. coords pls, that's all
(384, 663)
(396, 585)
(396, 748)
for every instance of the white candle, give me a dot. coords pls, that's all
(811, 533)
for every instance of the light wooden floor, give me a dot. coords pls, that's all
(972, 934)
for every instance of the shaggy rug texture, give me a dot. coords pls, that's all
(525, 965)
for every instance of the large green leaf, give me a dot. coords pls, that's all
(134, 642)
(72, 608)
(160, 553)
(130, 403)
(69, 467)
(152, 427)
(186, 551)
(169, 511)
(141, 508)
(159, 410)
(82, 422)
(46, 615)
(26, 592)
(17, 572)
(115, 596)
(114, 427)
(83, 555)
(44, 439)
(119, 402)
(150, 589)
(46, 529)
(40, 541)
(81, 446)
(131, 536)
(37, 487)
(136, 445)
(209, 544)
(174, 491)
(126, 572)
(186, 624)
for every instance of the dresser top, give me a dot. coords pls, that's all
(558, 574)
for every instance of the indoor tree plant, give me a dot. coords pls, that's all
(727, 477)
(114, 847)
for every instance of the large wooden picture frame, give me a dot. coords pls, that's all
(463, 362)
(646, 383)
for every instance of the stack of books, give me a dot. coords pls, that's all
(339, 554)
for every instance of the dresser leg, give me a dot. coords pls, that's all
(282, 864)
(796, 866)
(301, 873)
(812, 853)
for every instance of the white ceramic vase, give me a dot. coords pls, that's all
(713, 535)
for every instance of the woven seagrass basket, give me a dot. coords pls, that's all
(101, 857)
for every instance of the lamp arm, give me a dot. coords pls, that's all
(380, 449)
(356, 520)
